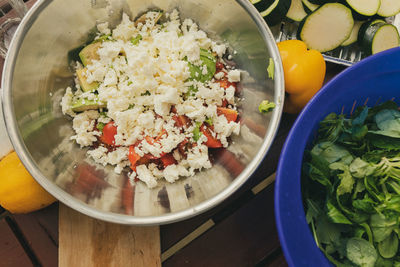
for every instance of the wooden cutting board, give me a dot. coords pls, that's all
(84, 241)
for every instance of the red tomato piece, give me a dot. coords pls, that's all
(224, 83)
(109, 132)
(168, 159)
(133, 157)
(181, 120)
(230, 114)
(224, 103)
(219, 66)
(211, 141)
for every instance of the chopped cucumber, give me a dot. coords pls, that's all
(309, 7)
(354, 34)
(276, 11)
(389, 8)
(85, 86)
(89, 53)
(327, 27)
(296, 11)
(363, 8)
(379, 37)
(84, 104)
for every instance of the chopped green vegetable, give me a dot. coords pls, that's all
(100, 126)
(196, 132)
(271, 69)
(351, 187)
(208, 61)
(209, 121)
(136, 40)
(146, 93)
(266, 106)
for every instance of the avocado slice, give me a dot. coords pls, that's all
(85, 86)
(84, 104)
(89, 53)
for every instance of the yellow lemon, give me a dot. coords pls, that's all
(19, 192)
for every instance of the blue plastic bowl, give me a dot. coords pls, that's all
(371, 81)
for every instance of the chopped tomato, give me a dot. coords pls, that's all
(133, 157)
(182, 147)
(109, 132)
(152, 141)
(173, 109)
(168, 159)
(211, 141)
(230, 114)
(219, 66)
(224, 83)
(224, 103)
(181, 120)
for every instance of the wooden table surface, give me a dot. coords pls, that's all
(239, 232)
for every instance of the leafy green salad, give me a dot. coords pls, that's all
(351, 187)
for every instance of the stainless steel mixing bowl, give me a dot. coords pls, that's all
(36, 73)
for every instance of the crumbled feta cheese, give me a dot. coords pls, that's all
(66, 103)
(145, 175)
(234, 76)
(83, 125)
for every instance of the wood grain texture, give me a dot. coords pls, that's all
(11, 252)
(41, 232)
(84, 241)
(242, 239)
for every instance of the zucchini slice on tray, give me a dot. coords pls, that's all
(389, 8)
(362, 9)
(377, 37)
(327, 27)
(354, 34)
(276, 11)
(296, 11)
(308, 6)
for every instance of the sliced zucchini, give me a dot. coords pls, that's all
(84, 104)
(261, 5)
(85, 86)
(276, 11)
(327, 27)
(89, 53)
(389, 8)
(379, 37)
(354, 34)
(364, 27)
(321, 2)
(363, 8)
(296, 11)
(309, 7)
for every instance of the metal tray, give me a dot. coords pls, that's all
(346, 56)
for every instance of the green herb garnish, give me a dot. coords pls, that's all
(100, 126)
(266, 106)
(136, 40)
(208, 61)
(196, 132)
